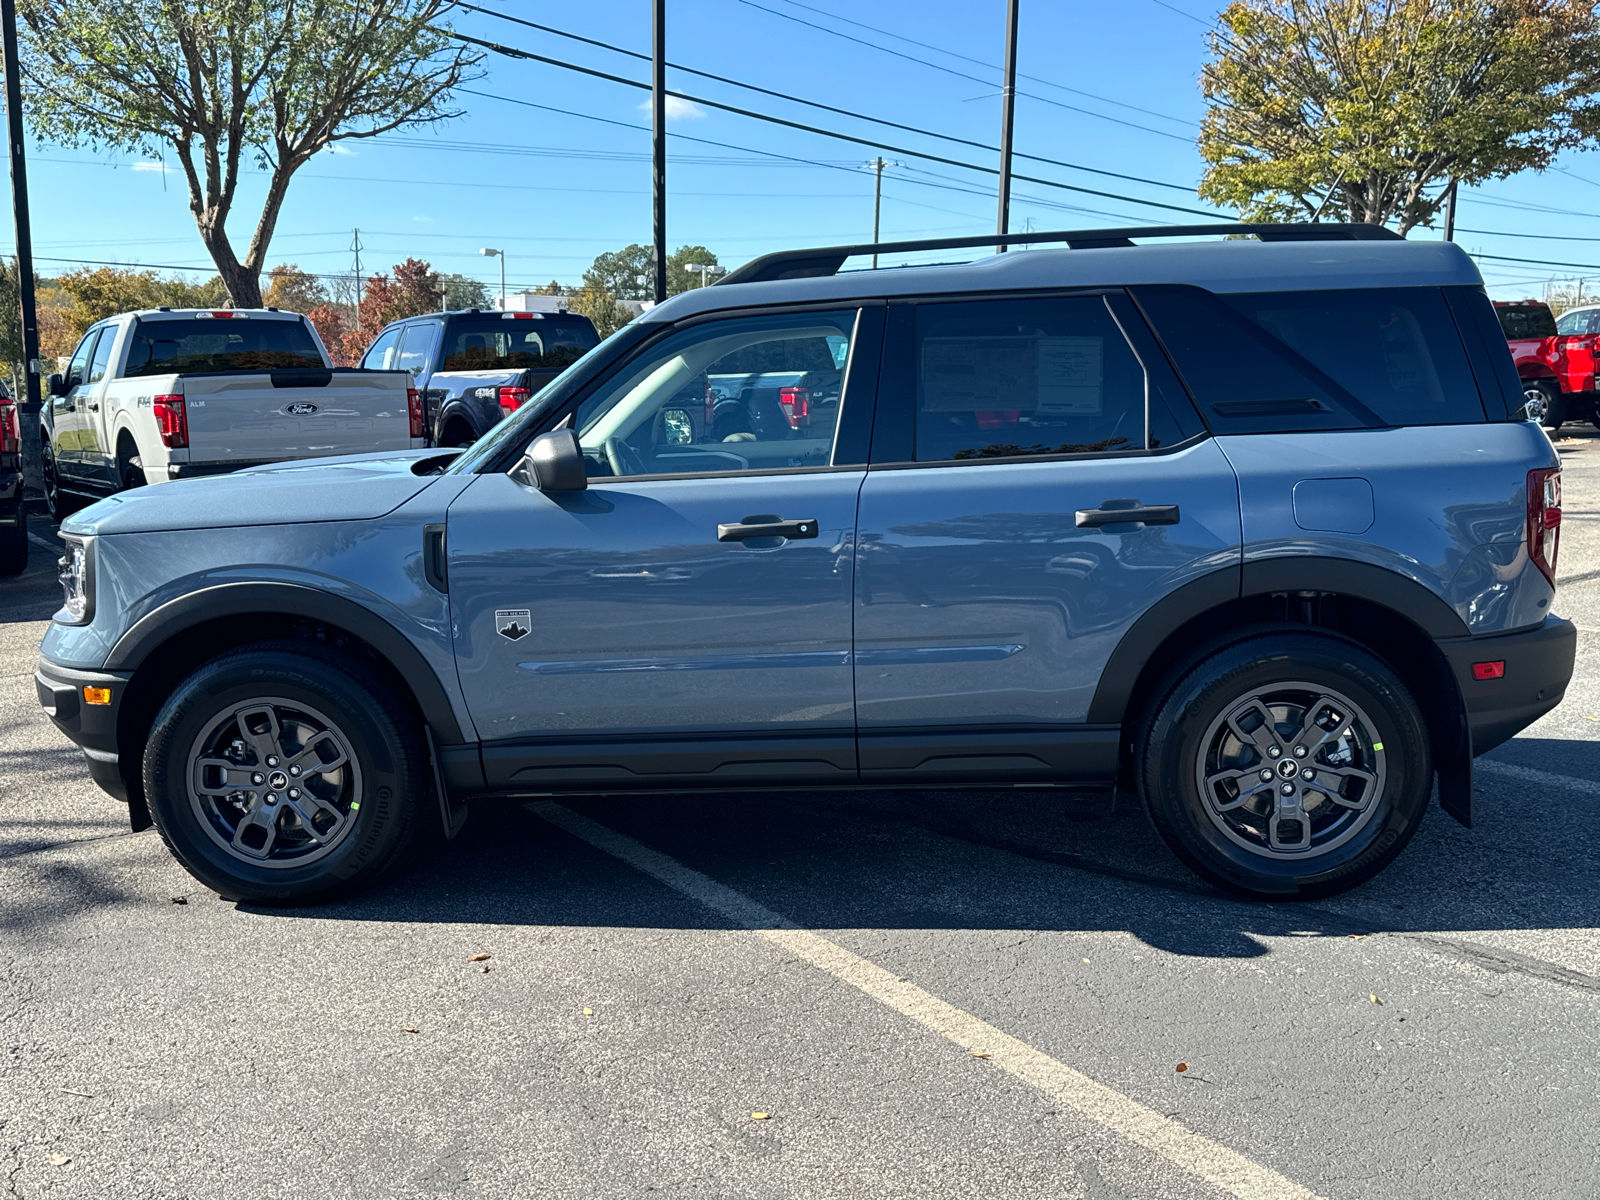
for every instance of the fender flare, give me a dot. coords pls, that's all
(237, 599)
(1301, 573)
(455, 406)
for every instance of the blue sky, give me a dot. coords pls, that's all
(1112, 87)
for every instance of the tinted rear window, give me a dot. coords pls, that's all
(209, 346)
(1396, 350)
(1525, 321)
(499, 343)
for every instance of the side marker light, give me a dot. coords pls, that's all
(96, 695)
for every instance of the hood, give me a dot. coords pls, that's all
(356, 487)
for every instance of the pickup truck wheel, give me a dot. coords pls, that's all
(284, 773)
(58, 503)
(1545, 403)
(14, 545)
(130, 473)
(1285, 765)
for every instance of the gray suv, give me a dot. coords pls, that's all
(1254, 527)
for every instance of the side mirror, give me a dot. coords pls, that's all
(56, 385)
(555, 462)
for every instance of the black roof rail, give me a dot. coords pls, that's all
(826, 260)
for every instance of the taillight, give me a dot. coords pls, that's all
(10, 429)
(513, 398)
(419, 427)
(1544, 519)
(173, 420)
(796, 403)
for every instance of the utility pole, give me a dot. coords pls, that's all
(877, 166)
(658, 140)
(355, 248)
(1008, 107)
(19, 207)
(1450, 212)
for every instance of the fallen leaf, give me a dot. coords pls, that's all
(1182, 1067)
(1587, 717)
(1357, 935)
(479, 957)
(485, 970)
(1374, 999)
(588, 1012)
(409, 1029)
(180, 899)
(58, 1160)
(760, 1116)
(980, 1054)
(1086, 960)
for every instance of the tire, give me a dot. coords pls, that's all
(1544, 403)
(459, 435)
(60, 504)
(362, 792)
(14, 545)
(1203, 744)
(130, 473)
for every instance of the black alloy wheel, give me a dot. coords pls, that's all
(1286, 763)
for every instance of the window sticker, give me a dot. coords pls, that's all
(1071, 375)
(966, 374)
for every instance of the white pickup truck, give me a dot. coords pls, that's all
(166, 394)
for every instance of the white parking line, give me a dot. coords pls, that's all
(39, 541)
(1199, 1155)
(1542, 778)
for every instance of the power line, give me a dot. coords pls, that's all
(512, 52)
(790, 97)
(900, 37)
(961, 74)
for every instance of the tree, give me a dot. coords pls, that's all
(601, 307)
(630, 273)
(1369, 104)
(333, 327)
(94, 295)
(679, 277)
(292, 290)
(221, 81)
(461, 292)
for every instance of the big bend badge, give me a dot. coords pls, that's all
(512, 623)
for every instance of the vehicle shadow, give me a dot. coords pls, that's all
(993, 860)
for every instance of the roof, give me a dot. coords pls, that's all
(1220, 266)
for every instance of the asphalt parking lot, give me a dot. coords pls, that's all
(951, 995)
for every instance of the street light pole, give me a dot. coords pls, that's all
(877, 166)
(501, 255)
(658, 141)
(19, 206)
(1008, 107)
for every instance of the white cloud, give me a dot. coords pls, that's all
(149, 166)
(678, 109)
(336, 148)
(423, 220)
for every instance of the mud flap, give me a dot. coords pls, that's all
(1454, 773)
(452, 813)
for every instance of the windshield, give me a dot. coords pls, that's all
(520, 425)
(1520, 321)
(541, 342)
(215, 345)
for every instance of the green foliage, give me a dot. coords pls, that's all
(223, 82)
(292, 290)
(106, 291)
(629, 273)
(10, 313)
(601, 307)
(461, 292)
(1377, 101)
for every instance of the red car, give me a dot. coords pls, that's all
(1556, 361)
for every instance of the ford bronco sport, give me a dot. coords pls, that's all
(1252, 526)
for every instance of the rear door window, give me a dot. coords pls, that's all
(416, 352)
(1024, 378)
(102, 354)
(1577, 323)
(380, 356)
(1522, 321)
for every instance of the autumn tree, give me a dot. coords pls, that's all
(223, 84)
(1367, 110)
(293, 290)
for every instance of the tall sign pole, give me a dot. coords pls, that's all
(1008, 107)
(19, 205)
(1450, 212)
(658, 135)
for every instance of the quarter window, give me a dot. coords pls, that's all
(1023, 378)
(752, 393)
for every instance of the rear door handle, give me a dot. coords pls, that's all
(1134, 513)
(765, 526)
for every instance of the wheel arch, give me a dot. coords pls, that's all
(1394, 617)
(165, 645)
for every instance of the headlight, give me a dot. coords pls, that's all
(77, 582)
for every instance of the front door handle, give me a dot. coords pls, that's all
(1127, 512)
(765, 526)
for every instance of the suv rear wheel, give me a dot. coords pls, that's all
(1285, 764)
(285, 772)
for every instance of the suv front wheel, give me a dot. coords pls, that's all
(285, 772)
(1285, 764)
